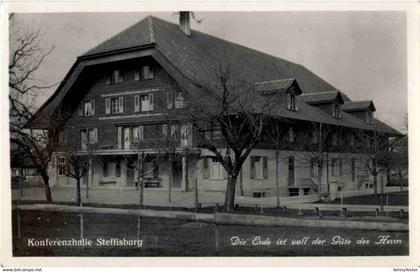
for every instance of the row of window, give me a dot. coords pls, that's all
(142, 103)
(145, 72)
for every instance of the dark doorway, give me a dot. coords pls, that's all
(176, 174)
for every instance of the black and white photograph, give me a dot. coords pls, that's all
(208, 134)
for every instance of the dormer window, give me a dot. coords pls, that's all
(336, 111)
(369, 117)
(291, 101)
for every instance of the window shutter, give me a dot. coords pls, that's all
(81, 109)
(120, 77)
(206, 172)
(141, 132)
(151, 101)
(170, 100)
(136, 103)
(120, 104)
(119, 135)
(289, 101)
(107, 106)
(137, 75)
(95, 133)
(252, 174)
(265, 172)
(93, 106)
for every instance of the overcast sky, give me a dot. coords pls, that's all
(363, 54)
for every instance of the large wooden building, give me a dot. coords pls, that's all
(128, 95)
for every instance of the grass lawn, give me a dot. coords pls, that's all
(394, 199)
(163, 237)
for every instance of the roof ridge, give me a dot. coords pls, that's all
(151, 32)
(358, 101)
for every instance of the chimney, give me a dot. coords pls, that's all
(184, 22)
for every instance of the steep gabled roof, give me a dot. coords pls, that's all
(199, 56)
(358, 106)
(322, 97)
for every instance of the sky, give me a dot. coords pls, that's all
(361, 53)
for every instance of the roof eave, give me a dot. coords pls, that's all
(119, 51)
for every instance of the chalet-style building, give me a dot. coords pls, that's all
(128, 96)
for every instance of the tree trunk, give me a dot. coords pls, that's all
(45, 179)
(230, 194)
(375, 184)
(140, 180)
(277, 180)
(78, 196)
(320, 169)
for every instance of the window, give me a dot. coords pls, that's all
(146, 102)
(175, 132)
(115, 77)
(93, 136)
(146, 72)
(61, 165)
(369, 117)
(291, 135)
(179, 100)
(136, 103)
(291, 168)
(353, 169)
(114, 105)
(83, 139)
(291, 102)
(216, 169)
(164, 130)
(87, 108)
(314, 168)
(170, 100)
(258, 167)
(337, 167)
(336, 111)
(111, 168)
(88, 136)
(135, 134)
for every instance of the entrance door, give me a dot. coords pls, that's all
(127, 139)
(176, 174)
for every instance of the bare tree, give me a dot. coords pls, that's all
(79, 157)
(375, 147)
(25, 58)
(316, 142)
(148, 157)
(232, 108)
(276, 132)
